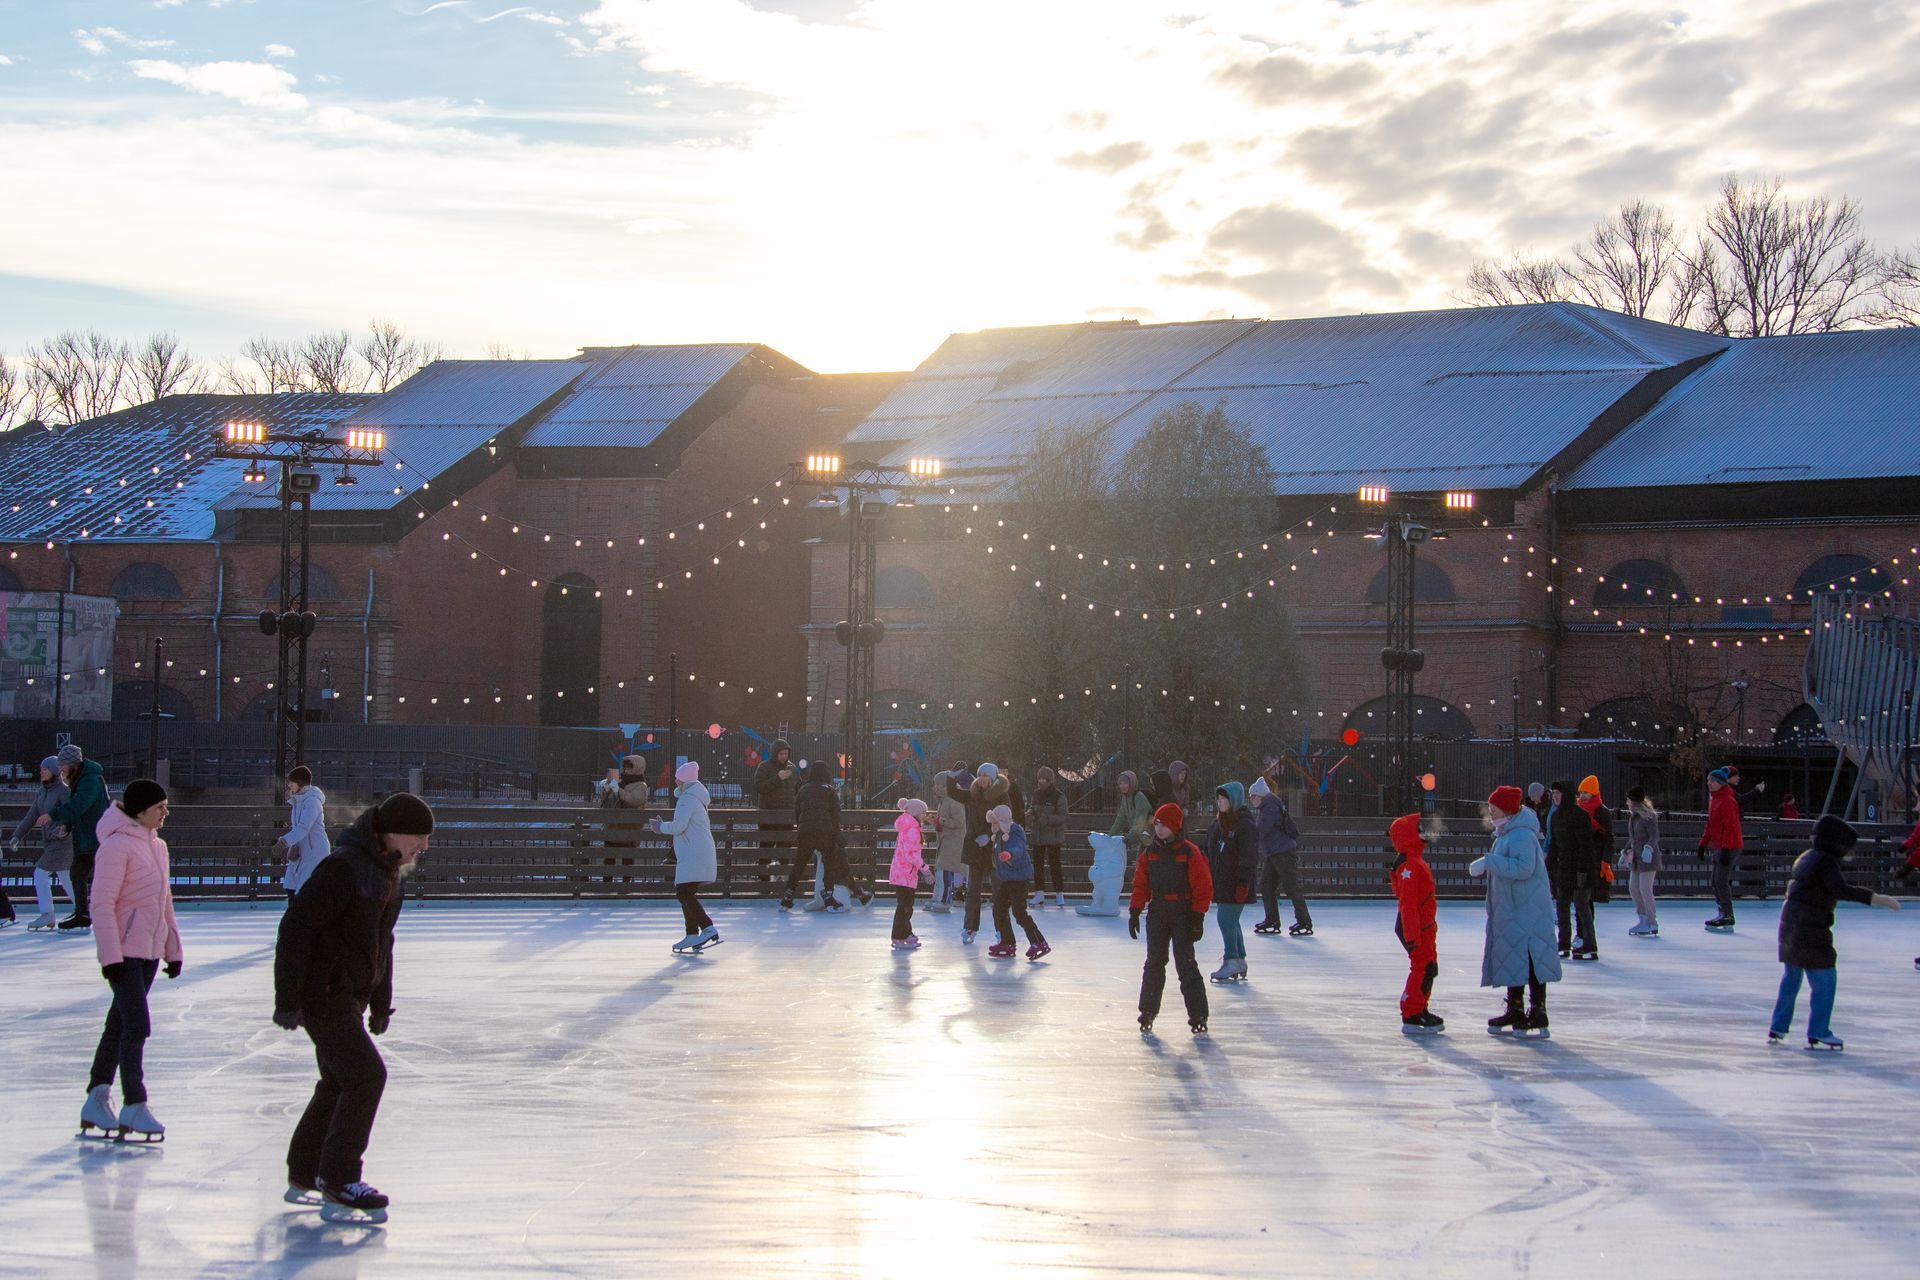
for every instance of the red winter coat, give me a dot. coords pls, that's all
(1418, 926)
(1199, 874)
(1911, 847)
(1723, 822)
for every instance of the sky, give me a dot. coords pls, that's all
(851, 180)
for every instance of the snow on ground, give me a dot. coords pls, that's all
(567, 1098)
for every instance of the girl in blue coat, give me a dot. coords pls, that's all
(1520, 953)
(1013, 873)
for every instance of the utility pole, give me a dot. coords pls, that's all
(1516, 731)
(1740, 713)
(673, 718)
(153, 713)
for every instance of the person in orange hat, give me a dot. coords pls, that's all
(1417, 926)
(1173, 885)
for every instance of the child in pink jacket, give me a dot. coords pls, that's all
(908, 866)
(131, 904)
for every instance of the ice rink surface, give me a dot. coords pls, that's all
(567, 1098)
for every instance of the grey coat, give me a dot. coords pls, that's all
(953, 828)
(1047, 817)
(56, 838)
(1520, 928)
(1643, 831)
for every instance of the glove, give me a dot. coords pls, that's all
(1197, 922)
(1904, 873)
(174, 968)
(112, 972)
(1888, 901)
(377, 1023)
(1477, 868)
(13, 846)
(1133, 924)
(287, 1019)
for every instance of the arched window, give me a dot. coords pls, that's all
(133, 700)
(1432, 718)
(1800, 727)
(1831, 575)
(1636, 719)
(1639, 582)
(145, 580)
(570, 652)
(1431, 585)
(9, 580)
(898, 587)
(320, 585)
(899, 708)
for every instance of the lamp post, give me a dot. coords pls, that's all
(153, 712)
(867, 486)
(299, 454)
(1740, 712)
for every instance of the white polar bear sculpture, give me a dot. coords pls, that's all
(1109, 862)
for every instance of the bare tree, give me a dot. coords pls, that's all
(81, 375)
(163, 367)
(1627, 260)
(1899, 302)
(391, 356)
(329, 362)
(267, 366)
(13, 394)
(1518, 280)
(501, 351)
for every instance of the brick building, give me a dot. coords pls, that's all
(544, 537)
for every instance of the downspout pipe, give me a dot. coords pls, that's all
(219, 602)
(366, 654)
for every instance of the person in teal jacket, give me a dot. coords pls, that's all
(85, 805)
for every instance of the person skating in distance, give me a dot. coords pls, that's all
(1417, 925)
(332, 968)
(1806, 931)
(1173, 885)
(1013, 873)
(695, 860)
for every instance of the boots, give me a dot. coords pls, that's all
(1513, 1020)
(1535, 1027)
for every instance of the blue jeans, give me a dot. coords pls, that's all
(1823, 982)
(1228, 914)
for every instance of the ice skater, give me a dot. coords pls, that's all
(1013, 872)
(1279, 856)
(1417, 925)
(1174, 887)
(305, 841)
(1233, 859)
(909, 865)
(132, 905)
(816, 811)
(1572, 857)
(986, 790)
(333, 967)
(1131, 818)
(695, 861)
(1806, 931)
(950, 871)
(1047, 816)
(1520, 953)
(1722, 842)
(85, 805)
(1643, 858)
(55, 864)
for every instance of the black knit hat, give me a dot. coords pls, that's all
(141, 795)
(403, 814)
(1833, 834)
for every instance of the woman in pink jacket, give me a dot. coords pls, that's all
(131, 904)
(909, 864)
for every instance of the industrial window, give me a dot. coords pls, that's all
(1640, 582)
(898, 587)
(1431, 585)
(144, 580)
(320, 585)
(1831, 575)
(1432, 718)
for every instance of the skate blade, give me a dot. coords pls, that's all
(340, 1213)
(1421, 1031)
(1534, 1035)
(305, 1199)
(703, 946)
(1824, 1048)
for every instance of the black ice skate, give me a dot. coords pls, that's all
(1300, 931)
(1268, 926)
(1146, 1025)
(1535, 1027)
(1421, 1024)
(1198, 1026)
(355, 1202)
(302, 1191)
(74, 923)
(1510, 1022)
(1722, 923)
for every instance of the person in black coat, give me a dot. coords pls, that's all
(816, 815)
(1806, 930)
(332, 967)
(1572, 861)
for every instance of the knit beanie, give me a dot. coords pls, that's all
(1000, 815)
(1590, 784)
(1835, 835)
(1721, 775)
(1507, 799)
(1170, 816)
(70, 754)
(1131, 778)
(913, 805)
(687, 773)
(988, 770)
(403, 814)
(141, 795)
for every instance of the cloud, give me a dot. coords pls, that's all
(280, 51)
(655, 226)
(256, 84)
(469, 11)
(5, 61)
(1109, 159)
(95, 40)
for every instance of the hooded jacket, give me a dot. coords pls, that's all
(131, 900)
(1233, 849)
(908, 859)
(83, 809)
(772, 790)
(1130, 818)
(56, 839)
(1723, 822)
(1818, 885)
(1643, 832)
(307, 836)
(1047, 814)
(1417, 926)
(816, 805)
(1520, 919)
(694, 859)
(335, 952)
(1273, 822)
(1572, 850)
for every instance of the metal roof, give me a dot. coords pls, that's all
(1828, 406)
(629, 395)
(148, 468)
(1481, 397)
(469, 393)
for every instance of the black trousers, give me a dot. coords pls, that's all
(123, 1041)
(696, 915)
(1009, 905)
(1280, 873)
(1169, 928)
(833, 859)
(902, 912)
(1576, 900)
(1046, 868)
(332, 1135)
(979, 876)
(82, 884)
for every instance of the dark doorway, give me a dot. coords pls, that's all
(570, 652)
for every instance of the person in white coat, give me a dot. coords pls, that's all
(694, 861)
(305, 842)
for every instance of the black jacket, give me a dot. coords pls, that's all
(816, 809)
(979, 798)
(1233, 855)
(335, 954)
(1573, 846)
(1806, 919)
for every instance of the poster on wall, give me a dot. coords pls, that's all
(45, 633)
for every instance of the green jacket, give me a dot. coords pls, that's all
(84, 808)
(1130, 820)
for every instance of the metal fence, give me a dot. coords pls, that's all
(222, 852)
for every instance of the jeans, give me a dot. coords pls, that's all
(1228, 914)
(332, 1134)
(902, 912)
(1579, 897)
(696, 915)
(1046, 868)
(1643, 903)
(1723, 865)
(1168, 929)
(43, 889)
(1280, 873)
(123, 1041)
(1824, 982)
(1010, 904)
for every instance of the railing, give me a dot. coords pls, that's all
(521, 851)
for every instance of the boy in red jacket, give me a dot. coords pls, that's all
(1417, 925)
(1174, 886)
(1723, 837)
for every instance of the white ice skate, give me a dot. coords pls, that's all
(1828, 1043)
(97, 1113)
(1060, 901)
(302, 1193)
(138, 1124)
(707, 937)
(43, 923)
(354, 1203)
(687, 946)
